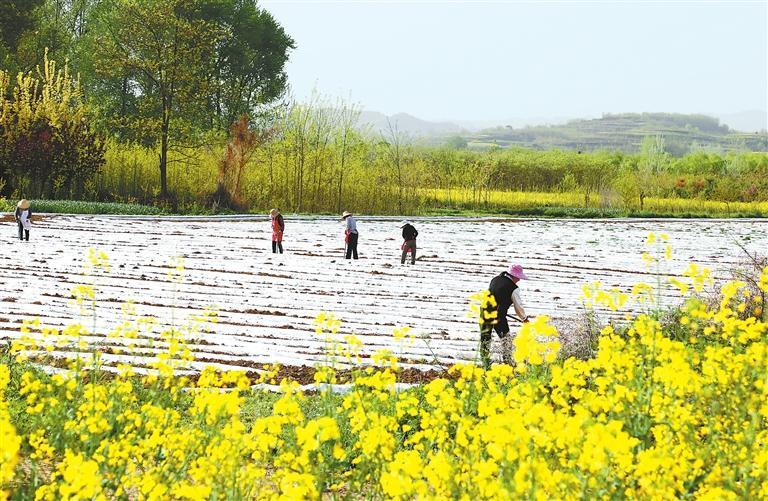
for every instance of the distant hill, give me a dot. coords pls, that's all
(625, 132)
(683, 133)
(378, 123)
(747, 121)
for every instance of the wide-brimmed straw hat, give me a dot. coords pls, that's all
(517, 271)
(403, 223)
(345, 214)
(23, 204)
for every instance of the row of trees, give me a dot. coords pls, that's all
(192, 90)
(314, 159)
(161, 73)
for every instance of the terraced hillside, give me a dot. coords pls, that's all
(625, 132)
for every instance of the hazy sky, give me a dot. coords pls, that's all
(487, 60)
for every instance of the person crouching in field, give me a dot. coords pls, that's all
(350, 235)
(278, 226)
(409, 241)
(23, 216)
(505, 293)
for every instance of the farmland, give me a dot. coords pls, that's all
(267, 303)
(663, 406)
(153, 346)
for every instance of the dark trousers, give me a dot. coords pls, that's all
(352, 246)
(23, 232)
(486, 336)
(277, 245)
(409, 245)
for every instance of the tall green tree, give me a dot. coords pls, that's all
(63, 25)
(169, 70)
(346, 140)
(248, 66)
(160, 52)
(17, 17)
(47, 28)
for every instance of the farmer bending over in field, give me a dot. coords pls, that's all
(350, 235)
(409, 241)
(505, 293)
(278, 226)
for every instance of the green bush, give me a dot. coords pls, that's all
(78, 207)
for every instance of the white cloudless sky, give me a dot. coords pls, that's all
(489, 60)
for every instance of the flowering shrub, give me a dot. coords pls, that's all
(8, 437)
(650, 416)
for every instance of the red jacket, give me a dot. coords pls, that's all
(278, 226)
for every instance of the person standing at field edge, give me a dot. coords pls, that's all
(505, 293)
(350, 235)
(278, 226)
(23, 215)
(409, 241)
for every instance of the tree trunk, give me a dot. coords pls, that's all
(399, 180)
(300, 196)
(240, 168)
(164, 150)
(289, 173)
(341, 170)
(399, 189)
(270, 195)
(123, 96)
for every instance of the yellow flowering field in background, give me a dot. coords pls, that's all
(528, 200)
(661, 411)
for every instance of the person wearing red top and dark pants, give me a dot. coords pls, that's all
(409, 241)
(278, 226)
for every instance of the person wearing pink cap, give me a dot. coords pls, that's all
(506, 294)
